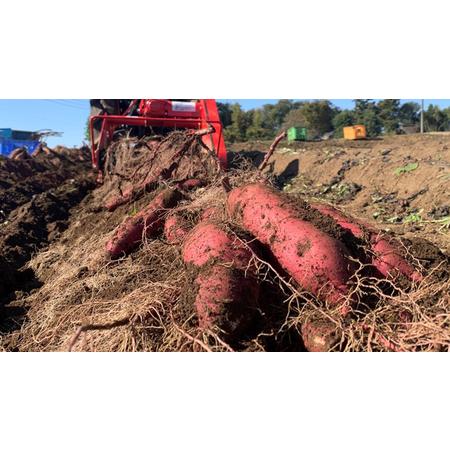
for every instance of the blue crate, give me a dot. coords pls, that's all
(8, 145)
(6, 133)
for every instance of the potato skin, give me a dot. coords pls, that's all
(316, 261)
(386, 256)
(146, 222)
(228, 288)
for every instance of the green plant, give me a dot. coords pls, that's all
(444, 222)
(408, 168)
(394, 219)
(342, 189)
(133, 211)
(413, 217)
(377, 214)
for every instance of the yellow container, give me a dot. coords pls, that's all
(355, 132)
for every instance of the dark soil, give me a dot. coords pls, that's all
(36, 195)
(32, 226)
(429, 256)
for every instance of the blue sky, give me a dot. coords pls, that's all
(69, 116)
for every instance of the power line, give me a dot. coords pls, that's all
(63, 103)
(76, 102)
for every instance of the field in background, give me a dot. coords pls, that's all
(400, 183)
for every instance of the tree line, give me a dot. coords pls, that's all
(321, 117)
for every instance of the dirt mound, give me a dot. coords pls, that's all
(36, 195)
(33, 225)
(83, 300)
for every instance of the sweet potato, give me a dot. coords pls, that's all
(145, 223)
(314, 259)
(228, 289)
(192, 183)
(19, 154)
(226, 299)
(208, 242)
(132, 192)
(387, 257)
(115, 201)
(176, 229)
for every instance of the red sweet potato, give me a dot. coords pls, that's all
(228, 289)
(132, 192)
(118, 200)
(145, 223)
(226, 298)
(387, 257)
(315, 260)
(176, 229)
(19, 154)
(208, 241)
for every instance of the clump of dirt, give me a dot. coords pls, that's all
(440, 212)
(33, 225)
(428, 256)
(22, 191)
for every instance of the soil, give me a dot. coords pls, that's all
(36, 196)
(366, 180)
(54, 271)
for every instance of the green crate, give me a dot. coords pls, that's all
(297, 134)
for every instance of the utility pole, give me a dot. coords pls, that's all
(421, 118)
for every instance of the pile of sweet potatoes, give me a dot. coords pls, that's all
(259, 224)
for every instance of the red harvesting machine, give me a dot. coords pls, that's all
(161, 115)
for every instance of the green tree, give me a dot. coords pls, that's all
(295, 118)
(343, 119)
(372, 123)
(273, 115)
(362, 106)
(367, 114)
(240, 121)
(260, 123)
(409, 113)
(435, 120)
(316, 116)
(446, 111)
(224, 113)
(319, 115)
(256, 129)
(87, 134)
(389, 114)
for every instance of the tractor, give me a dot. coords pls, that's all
(149, 117)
